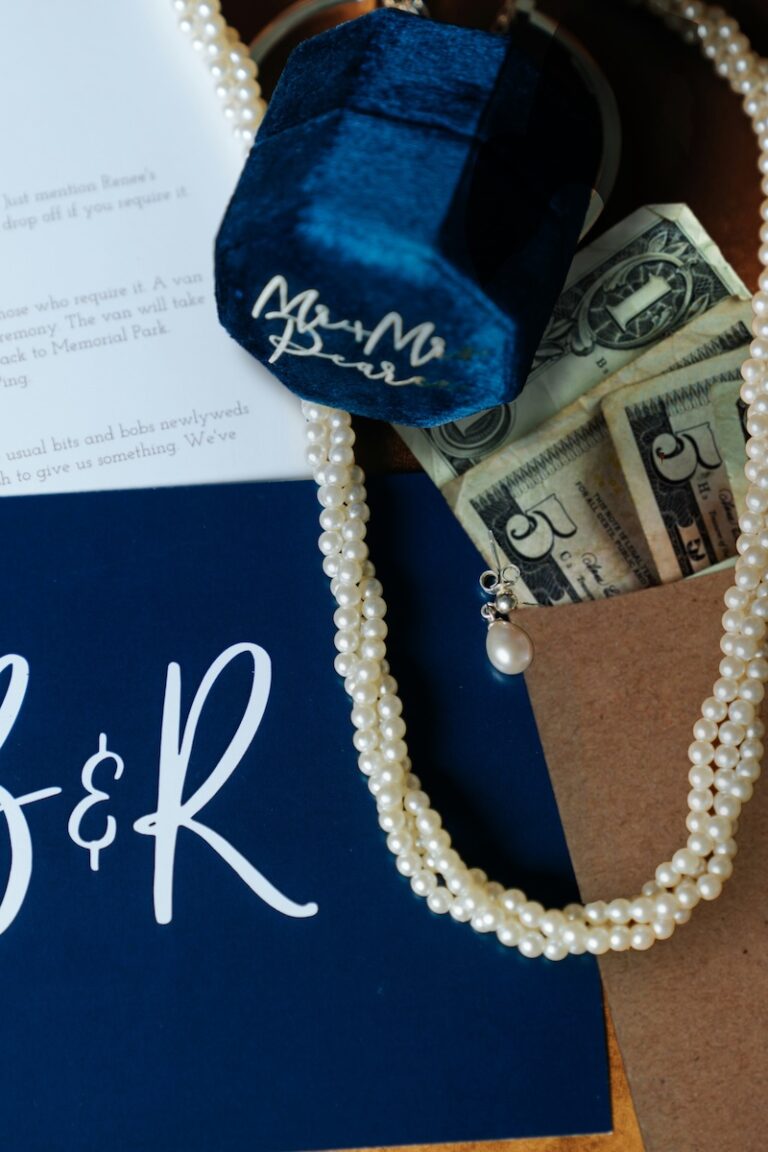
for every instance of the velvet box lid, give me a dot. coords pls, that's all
(408, 215)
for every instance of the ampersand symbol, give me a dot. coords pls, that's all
(95, 797)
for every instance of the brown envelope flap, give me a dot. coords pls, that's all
(616, 688)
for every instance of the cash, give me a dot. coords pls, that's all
(640, 282)
(619, 466)
(556, 506)
(665, 436)
(621, 490)
(730, 415)
(723, 328)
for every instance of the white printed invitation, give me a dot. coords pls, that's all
(117, 167)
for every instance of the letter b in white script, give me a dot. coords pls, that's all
(173, 813)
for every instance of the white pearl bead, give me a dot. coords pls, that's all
(741, 712)
(399, 841)
(364, 716)
(642, 909)
(725, 690)
(393, 729)
(619, 911)
(720, 866)
(423, 883)
(714, 709)
(439, 901)
(730, 733)
(509, 935)
(531, 945)
(368, 763)
(372, 649)
(719, 828)
(666, 876)
(347, 594)
(726, 756)
(641, 937)
(701, 752)
(364, 693)
(437, 842)
(365, 740)
(619, 939)
(485, 920)
(700, 799)
(728, 806)
(332, 519)
(552, 922)
(701, 776)
(596, 912)
(687, 895)
(705, 730)
(555, 950)
(530, 913)
(741, 790)
(597, 941)
(509, 647)
(446, 863)
(709, 886)
(512, 899)
(347, 639)
(416, 801)
(666, 905)
(685, 862)
(574, 936)
(343, 663)
(748, 769)
(458, 912)
(698, 843)
(752, 690)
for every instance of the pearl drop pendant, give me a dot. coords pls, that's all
(509, 647)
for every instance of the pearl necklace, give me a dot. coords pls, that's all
(727, 743)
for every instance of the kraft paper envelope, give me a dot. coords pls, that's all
(616, 688)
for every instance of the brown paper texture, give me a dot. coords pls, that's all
(616, 687)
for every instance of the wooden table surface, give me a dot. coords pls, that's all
(685, 139)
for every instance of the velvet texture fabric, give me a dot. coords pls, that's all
(407, 216)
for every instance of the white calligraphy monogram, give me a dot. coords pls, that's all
(172, 812)
(305, 319)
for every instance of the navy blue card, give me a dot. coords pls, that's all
(204, 942)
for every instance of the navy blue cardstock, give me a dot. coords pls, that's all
(235, 1026)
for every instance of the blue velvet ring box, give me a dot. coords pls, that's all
(407, 216)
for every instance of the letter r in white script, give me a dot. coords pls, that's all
(175, 751)
(20, 872)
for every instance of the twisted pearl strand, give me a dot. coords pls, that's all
(229, 62)
(727, 745)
